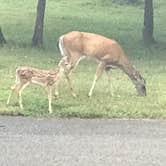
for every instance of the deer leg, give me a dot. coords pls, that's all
(98, 74)
(70, 85)
(49, 90)
(9, 97)
(107, 70)
(67, 76)
(14, 88)
(56, 92)
(20, 100)
(74, 61)
(22, 87)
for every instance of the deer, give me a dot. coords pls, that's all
(48, 79)
(77, 45)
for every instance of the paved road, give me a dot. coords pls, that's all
(28, 141)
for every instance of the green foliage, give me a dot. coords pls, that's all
(121, 22)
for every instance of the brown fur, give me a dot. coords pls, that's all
(107, 51)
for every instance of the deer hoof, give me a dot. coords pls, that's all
(50, 111)
(89, 95)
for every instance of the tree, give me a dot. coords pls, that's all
(148, 23)
(37, 40)
(2, 38)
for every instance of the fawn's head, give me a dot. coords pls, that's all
(64, 63)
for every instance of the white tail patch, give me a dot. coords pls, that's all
(61, 46)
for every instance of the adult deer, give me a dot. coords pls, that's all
(48, 79)
(76, 45)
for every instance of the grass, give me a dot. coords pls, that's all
(122, 22)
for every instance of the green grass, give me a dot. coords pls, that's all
(121, 22)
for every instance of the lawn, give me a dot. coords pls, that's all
(117, 99)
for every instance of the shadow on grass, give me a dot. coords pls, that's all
(11, 113)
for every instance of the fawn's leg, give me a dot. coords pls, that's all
(20, 93)
(15, 88)
(9, 97)
(55, 89)
(98, 74)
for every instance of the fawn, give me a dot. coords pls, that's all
(48, 79)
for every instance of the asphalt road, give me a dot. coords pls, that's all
(28, 141)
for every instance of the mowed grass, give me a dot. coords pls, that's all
(117, 99)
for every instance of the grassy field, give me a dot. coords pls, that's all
(121, 22)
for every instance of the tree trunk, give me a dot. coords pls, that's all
(37, 40)
(148, 23)
(2, 38)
